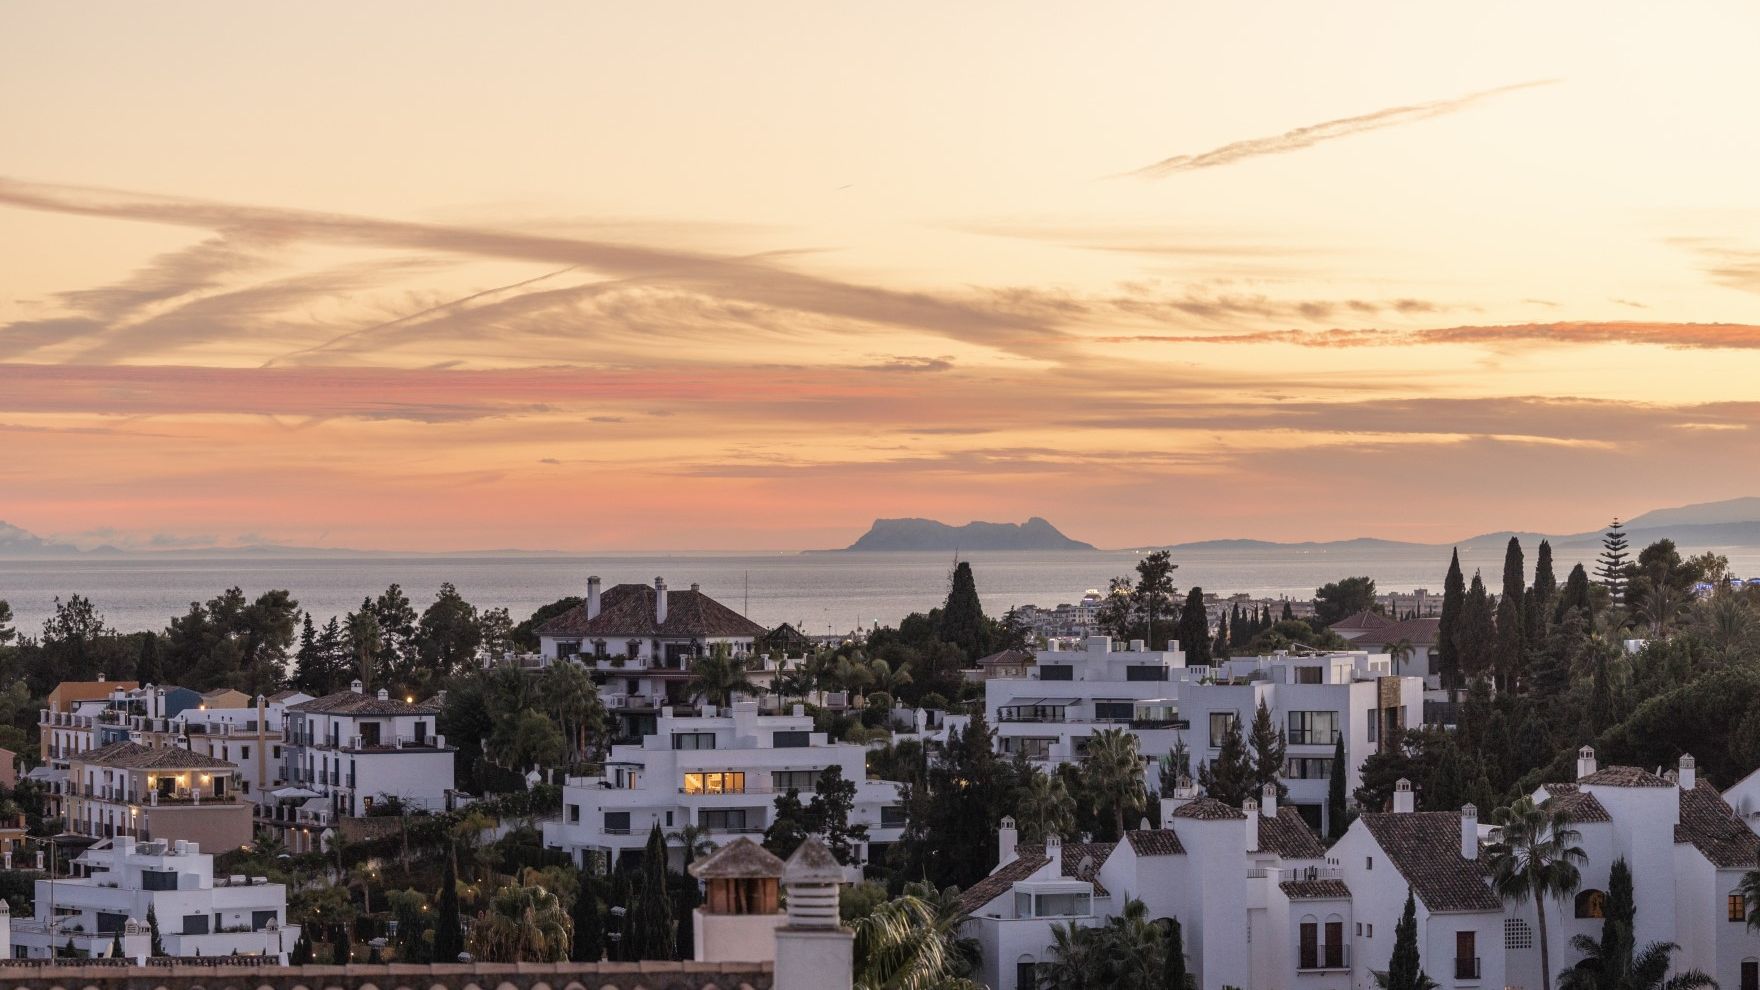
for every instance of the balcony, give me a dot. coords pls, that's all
(1322, 958)
(1466, 968)
(394, 744)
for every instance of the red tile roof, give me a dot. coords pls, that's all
(1081, 861)
(359, 703)
(134, 756)
(1155, 842)
(1624, 777)
(627, 610)
(1366, 619)
(1314, 890)
(1289, 836)
(1207, 809)
(1425, 847)
(1418, 632)
(1713, 828)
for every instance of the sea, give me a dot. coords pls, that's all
(821, 593)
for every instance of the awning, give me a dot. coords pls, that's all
(292, 793)
(50, 775)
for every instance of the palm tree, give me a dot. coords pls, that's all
(1045, 807)
(885, 678)
(574, 701)
(523, 924)
(696, 842)
(1401, 650)
(1535, 857)
(912, 943)
(1128, 952)
(1750, 891)
(1728, 625)
(715, 678)
(1661, 605)
(1113, 772)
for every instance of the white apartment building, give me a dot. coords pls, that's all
(1315, 700)
(1068, 695)
(118, 881)
(720, 771)
(349, 750)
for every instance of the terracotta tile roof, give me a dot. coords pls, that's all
(134, 756)
(1419, 632)
(1366, 619)
(627, 610)
(1580, 805)
(1624, 777)
(1425, 846)
(1289, 836)
(1081, 861)
(1155, 842)
(1006, 658)
(1713, 828)
(360, 703)
(1207, 809)
(740, 859)
(1310, 890)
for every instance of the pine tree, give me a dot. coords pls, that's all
(116, 945)
(1454, 600)
(1404, 969)
(1513, 576)
(302, 949)
(1619, 913)
(650, 923)
(1611, 567)
(1337, 812)
(1288, 613)
(1268, 746)
(1229, 777)
(1194, 629)
(448, 931)
(962, 617)
(1475, 637)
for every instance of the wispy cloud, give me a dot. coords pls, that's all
(1677, 336)
(1313, 134)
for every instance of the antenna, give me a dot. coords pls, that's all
(748, 609)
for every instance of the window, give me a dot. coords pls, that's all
(1060, 905)
(805, 781)
(1517, 934)
(1313, 728)
(244, 752)
(109, 924)
(1310, 946)
(1145, 672)
(1308, 675)
(715, 782)
(1373, 722)
(1466, 955)
(1113, 711)
(574, 814)
(1057, 672)
(723, 819)
(1026, 974)
(1371, 931)
(794, 739)
(1738, 908)
(617, 822)
(892, 816)
(1308, 768)
(1368, 862)
(1359, 928)
(1751, 974)
(1591, 904)
(195, 924)
(1032, 747)
(693, 740)
(1333, 957)
(261, 920)
(158, 880)
(1221, 724)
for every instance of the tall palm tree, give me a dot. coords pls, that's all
(523, 924)
(1728, 625)
(1113, 772)
(1535, 858)
(1045, 808)
(695, 840)
(1661, 605)
(911, 943)
(574, 700)
(885, 678)
(715, 678)
(1401, 651)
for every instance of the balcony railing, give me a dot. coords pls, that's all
(1315, 958)
(1466, 968)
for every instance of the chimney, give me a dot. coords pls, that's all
(695, 587)
(593, 597)
(384, 695)
(1268, 800)
(659, 601)
(1689, 775)
(1404, 802)
(813, 950)
(1054, 852)
(1585, 762)
(1251, 808)
(1469, 832)
(1007, 838)
(355, 686)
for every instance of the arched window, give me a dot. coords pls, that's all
(1026, 973)
(1591, 904)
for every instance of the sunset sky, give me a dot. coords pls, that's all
(596, 276)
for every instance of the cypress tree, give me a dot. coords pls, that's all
(1405, 970)
(1173, 967)
(340, 949)
(1513, 586)
(448, 932)
(1268, 745)
(1229, 777)
(116, 945)
(1475, 637)
(962, 617)
(156, 947)
(1576, 595)
(1454, 599)
(1219, 649)
(302, 949)
(1288, 613)
(589, 923)
(1194, 628)
(1336, 811)
(1510, 654)
(650, 923)
(1611, 567)
(1619, 911)
(1542, 594)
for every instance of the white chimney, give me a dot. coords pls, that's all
(593, 597)
(1184, 792)
(1007, 838)
(384, 695)
(1585, 762)
(659, 601)
(1251, 808)
(355, 686)
(1469, 832)
(1404, 802)
(1268, 800)
(1689, 775)
(1054, 852)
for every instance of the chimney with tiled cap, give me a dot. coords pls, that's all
(1007, 838)
(1469, 832)
(1268, 800)
(659, 601)
(355, 685)
(1404, 801)
(1184, 792)
(1585, 762)
(1251, 808)
(593, 597)
(1054, 852)
(384, 695)
(1689, 775)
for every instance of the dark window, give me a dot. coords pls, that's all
(574, 814)
(892, 816)
(1313, 728)
(803, 781)
(1057, 672)
(793, 739)
(158, 879)
(617, 822)
(1750, 974)
(1308, 675)
(1308, 768)
(1335, 945)
(723, 819)
(1310, 946)
(1026, 975)
(1466, 955)
(693, 740)
(1145, 672)
(1113, 711)
(1591, 904)
(109, 924)
(261, 920)
(195, 924)
(1221, 723)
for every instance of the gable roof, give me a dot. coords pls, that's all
(628, 610)
(1007, 658)
(1579, 805)
(1313, 890)
(133, 756)
(361, 703)
(1423, 631)
(1425, 847)
(1624, 777)
(1028, 859)
(740, 859)
(1366, 619)
(1713, 828)
(1155, 842)
(1207, 809)
(1289, 836)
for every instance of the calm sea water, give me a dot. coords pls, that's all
(819, 592)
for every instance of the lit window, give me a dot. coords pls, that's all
(1738, 908)
(717, 782)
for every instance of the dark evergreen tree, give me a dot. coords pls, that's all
(962, 618)
(828, 815)
(1173, 966)
(1289, 612)
(1339, 599)
(1337, 812)
(1514, 578)
(155, 945)
(1576, 595)
(302, 949)
(1611, 567)
(952, 816)
(341, 951)
(588, 915)
(1404, 969)
(1194, 629)
(1268, 748)
(1229, 777)
(1510, 654)
(1543, 594)
(1475, 637)
(448, 929)
(788, 825)
(651, 933)
(1219, 647)
(1454, 600)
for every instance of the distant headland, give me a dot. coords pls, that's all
(927, 534)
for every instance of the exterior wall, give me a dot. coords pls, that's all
(233, 974)
(734, 937)
(333, 756)
(1216, 936)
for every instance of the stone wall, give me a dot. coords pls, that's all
(233, 975)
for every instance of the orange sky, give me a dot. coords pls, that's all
(448, 276)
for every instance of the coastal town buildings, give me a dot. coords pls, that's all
(636, 627)
(1050, 707)
(352, 750)
(117, 882)
(153, 792)
(720, 772)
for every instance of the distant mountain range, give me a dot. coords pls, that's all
(927, 534)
